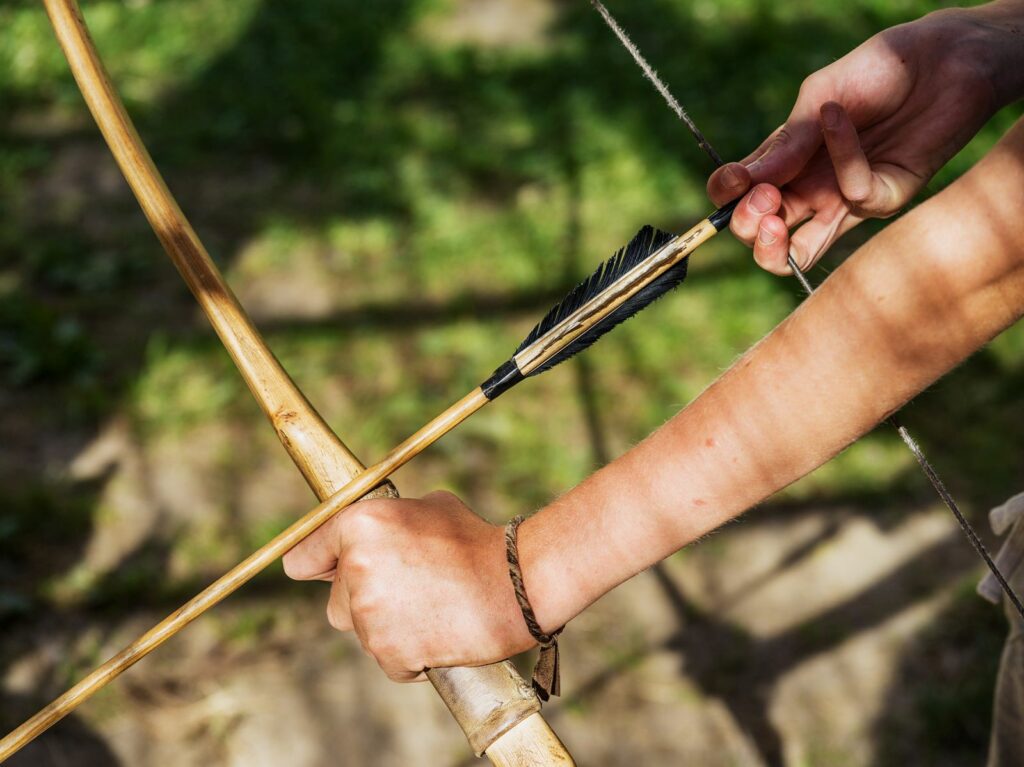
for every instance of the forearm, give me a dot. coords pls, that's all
(906, 308)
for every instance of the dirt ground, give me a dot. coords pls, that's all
(821, 629)
(776, 642)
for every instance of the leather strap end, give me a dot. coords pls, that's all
(546, 676)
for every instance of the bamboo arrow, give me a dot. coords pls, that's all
(495, 708)
(652, 264)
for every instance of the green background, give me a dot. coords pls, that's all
(397, 202)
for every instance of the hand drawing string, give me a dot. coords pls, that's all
(926, 466)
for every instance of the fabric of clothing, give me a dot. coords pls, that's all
(1006, 747)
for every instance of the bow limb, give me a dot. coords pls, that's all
(493, 705)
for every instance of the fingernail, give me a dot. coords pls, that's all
(731, 178)
(760, 202)
(765, 237)
(830, 115)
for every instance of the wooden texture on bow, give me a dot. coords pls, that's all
(492, 704)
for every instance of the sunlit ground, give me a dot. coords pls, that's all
(396, 190)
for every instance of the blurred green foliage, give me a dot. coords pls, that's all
(446, 192)
(433, 193)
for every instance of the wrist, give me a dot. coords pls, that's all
(544, 573)
(514, 636)
(993, 36)
(566, 561)
(590, 540)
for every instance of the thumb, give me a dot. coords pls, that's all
(315, 558)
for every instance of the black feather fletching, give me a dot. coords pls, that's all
(646, 243)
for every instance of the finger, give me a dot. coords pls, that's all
(772, 245)
(727, 183)
(316, 557)
(786, 152)
(795, 209)
(857, 182)
(387, 656)
(339, 615)
(404, 676)
(447, 503)
(810, 242)
(761, 201)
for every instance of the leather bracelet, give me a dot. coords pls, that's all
(546, 680)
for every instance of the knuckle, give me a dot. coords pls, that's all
(362, 520)
(385, 650)
(409, 662)
(743, 235)
(879, 200)
(336, 618)
(761, 259)
(356, 561)
(782, 137)
(366, 652)
(859, 196)
(399, 674)
(441, 497)
(292, 566)
(811, 85)
(744, 226)
(805, 257)
(364, 603)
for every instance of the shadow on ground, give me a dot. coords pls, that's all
(344, 108)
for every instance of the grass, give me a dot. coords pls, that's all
(425, 200)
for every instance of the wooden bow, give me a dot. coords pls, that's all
(496, 709)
